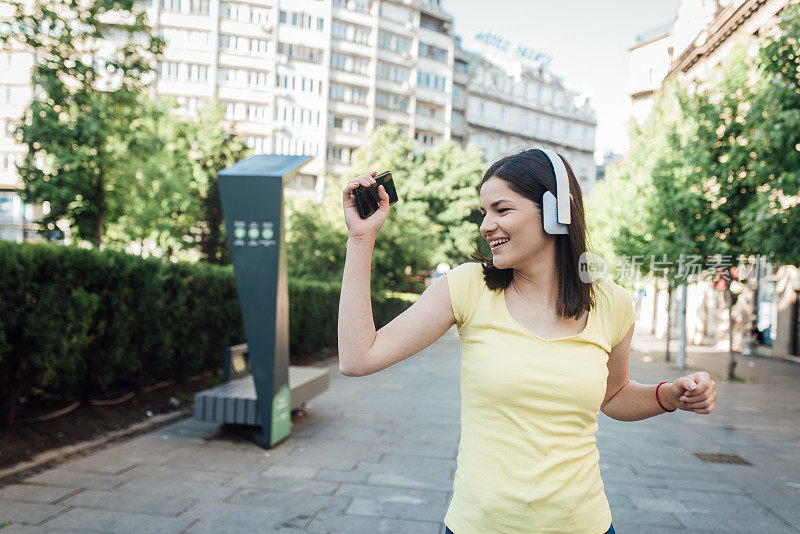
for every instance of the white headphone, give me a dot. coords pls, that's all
(555, 209)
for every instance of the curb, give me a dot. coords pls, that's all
(48, 459)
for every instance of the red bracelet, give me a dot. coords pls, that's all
(659, 400)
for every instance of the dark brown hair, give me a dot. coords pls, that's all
(531, 174)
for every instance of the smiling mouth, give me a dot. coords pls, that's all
(496, 247)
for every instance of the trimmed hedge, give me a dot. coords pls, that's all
(79, 324)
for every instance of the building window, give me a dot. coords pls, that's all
(390, 41)
(433, 52)
(434, 81)
(350, 32)
(338, 154)
(169, 70)
(198, 7)
(300, 19)
(242, 78)
(391, 72)
(362, 6)
(354, 64)
(187, 39)
(394, 102)
(301, 52)
(337, 92)
(335, 122)
(349, 94)
(171, 5)
(258, 144)
(396, 13)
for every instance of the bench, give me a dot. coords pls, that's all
(235, 401)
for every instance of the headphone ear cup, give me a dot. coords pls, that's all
(550, 215)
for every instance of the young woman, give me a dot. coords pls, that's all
(542, 352)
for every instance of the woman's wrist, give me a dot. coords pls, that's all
(665, 398)
(365, 241)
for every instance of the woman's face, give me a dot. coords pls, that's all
(517, 218)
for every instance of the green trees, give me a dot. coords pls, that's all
(118, 166)
(92, 61)
(772, 217)
(713, 175)
(174, 202)
(435, 219)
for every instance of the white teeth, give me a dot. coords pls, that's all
(497, 242)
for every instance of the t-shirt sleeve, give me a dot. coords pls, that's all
(623, 314)
(464, 283)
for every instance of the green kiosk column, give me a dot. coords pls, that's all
(251, 193)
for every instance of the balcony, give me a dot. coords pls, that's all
(349, 15)
(430, 124)
(432, 96)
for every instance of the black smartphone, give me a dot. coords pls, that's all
(368, 199)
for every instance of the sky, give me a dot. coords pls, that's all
(588, 41)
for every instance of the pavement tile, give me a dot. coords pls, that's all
(127, 502)
(351, 524)
(321, 460)
(336, 475)
(95, 466)
(197, 475)
(172, 488)
(215, 526)
(422, 451)
(214, 459)
(402, 462)
(117, 522)
(290, 504)
(645, 518)
(35, 493)
(619, 501)
(290, 471)
(27, 512)
(658, 505)
(621, 527)
(291, 485)
(403, 481)
(404, 495)
(69, 479)
(397, 510)
(16, 528)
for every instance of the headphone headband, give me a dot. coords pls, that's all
(562, 185)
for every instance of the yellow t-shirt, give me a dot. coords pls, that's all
(527, 459)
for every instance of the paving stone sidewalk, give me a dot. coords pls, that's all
(377, 454)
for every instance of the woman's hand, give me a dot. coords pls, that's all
(356, 226)
(694, 393)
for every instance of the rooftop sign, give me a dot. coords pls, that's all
(512, 51)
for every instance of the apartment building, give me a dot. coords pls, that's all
(390, 62)
(650, 61)
(15, 94)
(528, 108)
(313, 77)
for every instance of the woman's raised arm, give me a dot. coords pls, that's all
(362, 350)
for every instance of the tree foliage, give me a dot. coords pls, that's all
(773, 120)
(715, 169)
(92, 61)
(434, 220)
(174, 208)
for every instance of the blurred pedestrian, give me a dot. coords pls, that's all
(543, 350)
